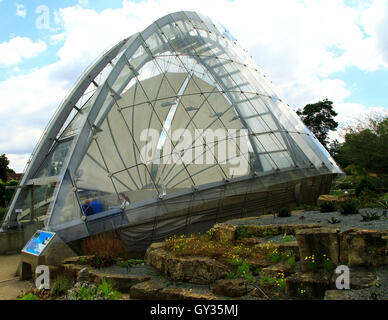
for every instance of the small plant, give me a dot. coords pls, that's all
(327, 206)
(333, 220)
(268, 234)
(243, 271)
(29, 296)
(243, 232)
(327, 265)
(82, 260)
(370, 216)
(284, 213)
(101, 261)
(128, 264)
(106, 288)
(286, 238)
(348, 207)
(302, 293)
(277, 280)
(61, 285)
(314, 265)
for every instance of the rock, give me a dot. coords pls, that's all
(83, 275)
(230, 288)
(278, 268)
(249, 241)
(183, 294)
(366, 248)
(122, 283)
(199, 270)
(318, 242)
(224, 232)
(313, 284)
(336, 295)
(258, 263)
(359, 278)
(146, 290)
(291, 229)
(329, 198)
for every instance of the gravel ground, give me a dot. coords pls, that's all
(374, 292)
(347, 221)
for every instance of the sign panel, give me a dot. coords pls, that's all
(38, 242)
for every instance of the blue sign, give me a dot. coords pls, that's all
(38, 242)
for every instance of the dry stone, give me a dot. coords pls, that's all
(318, 242)
(313, 284)
(336, 295)
(365, 248)
(230, 288)
(278, 268)
(224, 232)
(146, 290)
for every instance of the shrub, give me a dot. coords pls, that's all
(365, 185)
(370, 216)
(101, 261)
(103, 246)
(327, 206)
(29, 296)
(348, 207)
(242, 232)
(284, 213)
(61, 285)
(333, 220)
(106, 288)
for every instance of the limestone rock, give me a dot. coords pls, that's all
(366, 248)
(359, 278)
(313, 284)
(336, 295)
(318, 242)
(230, 288)
(278, 268)
(146, 290)
(199, 270)
(83, 275)
(183, 294)
(224, 232)
(291, 229)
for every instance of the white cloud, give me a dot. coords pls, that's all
(21, 10)
(19, 48)
(298, 44)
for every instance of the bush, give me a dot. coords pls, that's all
(365, 185)
(29, 296)
(61, 285)
(284, 213)
(348, 207)
(104, 246)
(243, 232)
(327, 206)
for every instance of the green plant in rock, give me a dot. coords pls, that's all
(314, 265)
(365, 185)
(243, 232)
(277, 281)
(61, 285)
(286, 238)
(268, 234)
(302, 293)
(348, 207)
(327, 206)
(85, 293)
(128, 264)
(370, 216)
(106, 288)
(284, 213)
(243, 271)
(83, 260)
(29, 296)
(333, 220)
(384, 201)
(101, 261)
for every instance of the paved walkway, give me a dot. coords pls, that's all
(10, 285)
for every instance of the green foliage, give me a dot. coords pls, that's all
(365, 185)
(85, 293)
(287, 238)
(284, 213)
(61, 285)
(323, 262)
(101, 261)
(6, 194)
(83, 260)
(107, 289)
(333, 220)
(319, 118)
(243, 232)
(29, 296)
(287, 257)
(348, 207)
(243, 271)
(268, 234)
(365, 146)
(277, 280)
(327, 206)
(370, 216)
(128, 264)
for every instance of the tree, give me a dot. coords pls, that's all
(4, 162)
(365, 145)
(318, 117)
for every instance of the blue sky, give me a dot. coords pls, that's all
(310, 49)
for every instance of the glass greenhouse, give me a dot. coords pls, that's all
(172, 130)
